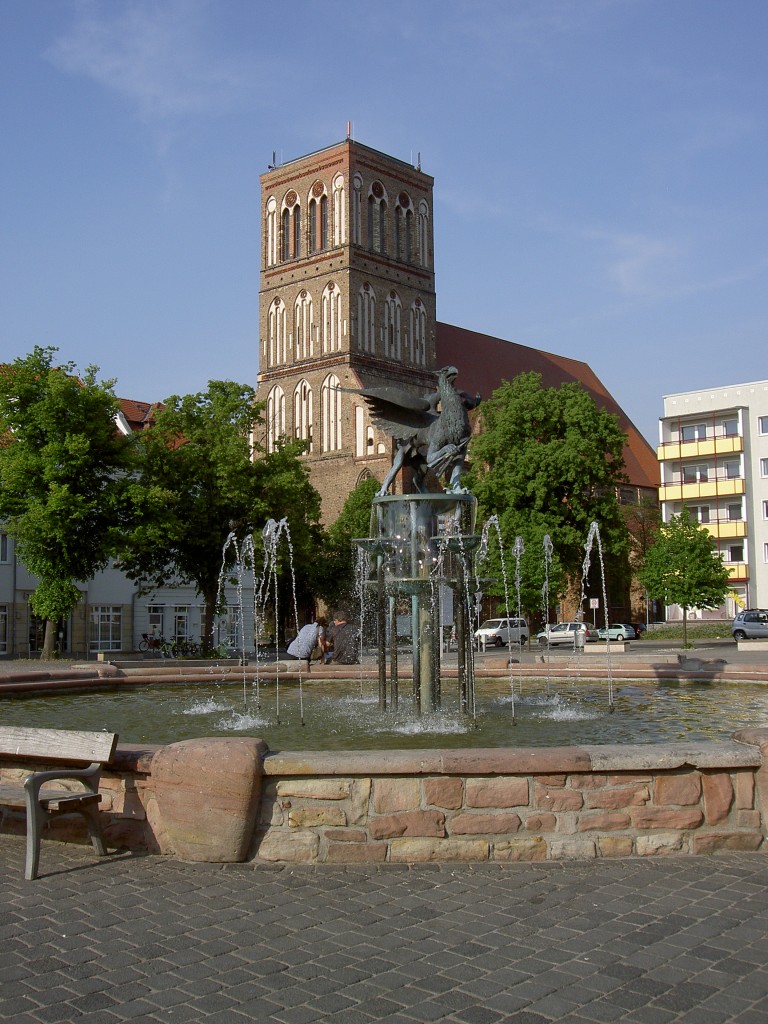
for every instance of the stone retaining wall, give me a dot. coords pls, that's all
(188, 800)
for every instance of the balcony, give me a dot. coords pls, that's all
(719, 487)
(726, 529)
(708, 448)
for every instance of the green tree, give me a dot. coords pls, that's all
(548, 461)
(197, 482)
(682, 567)
(62, 477)
(337, 583)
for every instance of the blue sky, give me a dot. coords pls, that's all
(600, 175)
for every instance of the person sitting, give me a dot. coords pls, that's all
(343, 640)
(309, 638)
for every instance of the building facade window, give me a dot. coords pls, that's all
(181, 623)
(765, 509)
(423, 234)
(732, 470)
(277, 348)
(106, 628)
(3, 628)
(303, 327)
(377, 218)
(695, 474)
(735, 512)
(730, 427)
(763, 467)
(699, 513)
(275, 417)
(357, 210)
(736, 553)
(359, 432)
(693, 432)
(392, 326)
(417, 337)
(290, 221)
(332, 320)
(339, 211)
(762, 424)
(366, 319)
(765, 552)
(302, 413)
(271, 232)
(5, 552)
(317, 212)
(331, 397)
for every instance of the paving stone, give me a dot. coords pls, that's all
(672, 942)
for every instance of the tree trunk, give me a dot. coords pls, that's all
(49, 641)
(209, 617)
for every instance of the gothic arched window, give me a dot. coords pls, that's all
(423, 239)
(331, 398)
(275, 417)
(303, 328)
(339, 211)
(366, 319)
(277, 353)
(418, 334)
(392, 326)
(357, 210)
(332, 323)
(270, 232)
(302, 413)
(377, 217)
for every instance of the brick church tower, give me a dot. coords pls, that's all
(347, 300)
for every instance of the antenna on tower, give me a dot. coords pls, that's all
(418, 161)
(271, 167)
(349, 129)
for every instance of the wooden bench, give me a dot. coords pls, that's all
(70, 750)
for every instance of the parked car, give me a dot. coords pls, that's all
(617, 631)
(500, 632)
(565, 633)
(639, 628)
(751, 624)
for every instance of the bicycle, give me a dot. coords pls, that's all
(165, 648)
(185, 647)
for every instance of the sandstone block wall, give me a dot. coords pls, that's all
(456, 805)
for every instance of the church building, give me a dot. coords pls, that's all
(347, 301)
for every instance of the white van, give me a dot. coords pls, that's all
(500, 632)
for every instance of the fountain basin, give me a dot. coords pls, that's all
(563, 801)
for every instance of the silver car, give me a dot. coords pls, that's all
(573, 633)
(751, 624)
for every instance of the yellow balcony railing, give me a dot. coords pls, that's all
(707, 448)
(727, 529)
(710, 489)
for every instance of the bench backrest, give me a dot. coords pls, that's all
(57, 744)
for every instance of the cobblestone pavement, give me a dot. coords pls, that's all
(150, 939)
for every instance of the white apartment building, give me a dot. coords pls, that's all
(713, 458)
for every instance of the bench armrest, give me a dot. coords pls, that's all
(88, 776)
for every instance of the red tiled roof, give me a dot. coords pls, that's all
(484, 362)
(137, 414)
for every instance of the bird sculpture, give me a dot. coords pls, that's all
(426, 438)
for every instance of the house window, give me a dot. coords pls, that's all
(731, 427)
(732, 470)
(4, 547)
(331, 318)
(392, 320)
(366, 319)
(699, 513)
(765, 510)
(765, 552)
(181, 622)
(763, 467)
(286, 234)
(106, 627)
(423, 234)
(271, 231)
(156, 620)
(303, 326)
(736, 553)
(693, 432)
(339, 211)
(734, 512)
(695, 474)
(762, 424)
